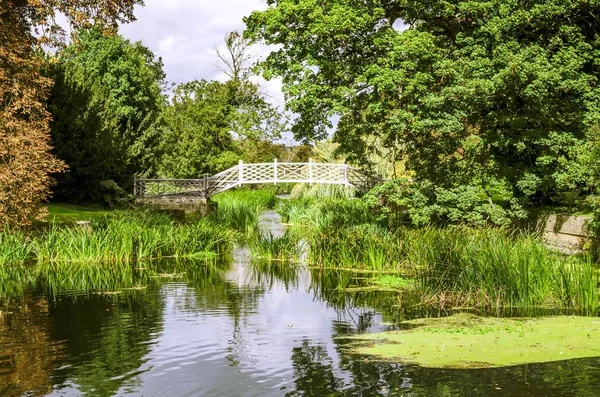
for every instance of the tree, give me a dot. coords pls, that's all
(471, 92)
(25, 159)
(106, 105)
(197, 138)
(255, 118)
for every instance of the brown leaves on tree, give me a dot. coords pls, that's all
(25, 159)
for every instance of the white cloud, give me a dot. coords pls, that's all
(184, 33)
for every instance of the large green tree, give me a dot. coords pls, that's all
(198, 138)
(212, 124)
(481, 90)
(106, 105)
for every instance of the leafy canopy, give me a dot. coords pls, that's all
(480, 90)
(106, 106)
(25, 159)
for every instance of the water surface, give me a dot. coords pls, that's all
(235, 330)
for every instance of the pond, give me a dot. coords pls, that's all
(237, 330)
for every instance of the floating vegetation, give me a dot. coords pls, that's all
(467, 341)
(393, 282)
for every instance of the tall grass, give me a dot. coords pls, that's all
(471, 267)
(490, 268)
(240, 209)
(318, 214)
(127, 237)
(322, 191)
(15, 247)
(268, 246)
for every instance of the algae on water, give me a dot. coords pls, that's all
(467, 341)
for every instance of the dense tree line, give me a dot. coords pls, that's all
(113, 119)
(468, 93)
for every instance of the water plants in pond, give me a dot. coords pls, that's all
(266, 245)
(240, 209)
(393, 281)
(121, 236)
(467, 341)
(14, 247)
(486, 268)
(129, 236)
(114, 278)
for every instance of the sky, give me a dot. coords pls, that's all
(184, 34)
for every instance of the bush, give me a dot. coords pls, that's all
(422, 203)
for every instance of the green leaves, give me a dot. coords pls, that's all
(106, 105)
(472, 90)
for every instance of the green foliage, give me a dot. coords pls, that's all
(269, 246)
(322, 191)
(202, 121)
(197, 137)
(239, 209)
(421, 203)
(318, 214)
(106, 105)
(14, 247)
(487, 268)
(476, 90)
(120, 237)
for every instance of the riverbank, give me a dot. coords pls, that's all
(490, 270)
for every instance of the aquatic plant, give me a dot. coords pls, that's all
(15, 247)
(240, 209)
(486, 268)
(318, 214)
(366, 246)
(491, 268)
(322, 191)
(269, 246)
(126, 237)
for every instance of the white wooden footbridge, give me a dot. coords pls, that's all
(260, 173)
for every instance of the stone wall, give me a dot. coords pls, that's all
(186, 204)
(568, 233)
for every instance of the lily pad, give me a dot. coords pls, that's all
(467, 341)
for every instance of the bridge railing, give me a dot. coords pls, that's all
(255, 173)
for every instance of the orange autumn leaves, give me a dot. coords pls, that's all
(26, 163)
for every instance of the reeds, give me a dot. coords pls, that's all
(240, 209)
(487, 268)
(126, 238)
(269, 246)
(15, 247)
(119, 237)
(492, 269)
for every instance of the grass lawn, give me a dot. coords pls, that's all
(66, 213)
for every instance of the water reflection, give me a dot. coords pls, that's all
(235, 328)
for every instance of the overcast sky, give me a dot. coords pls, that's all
(184, 33)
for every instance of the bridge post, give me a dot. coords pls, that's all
(240, 172)
(346, 181)
(206, 186)
(310, 171)
(275, 171)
